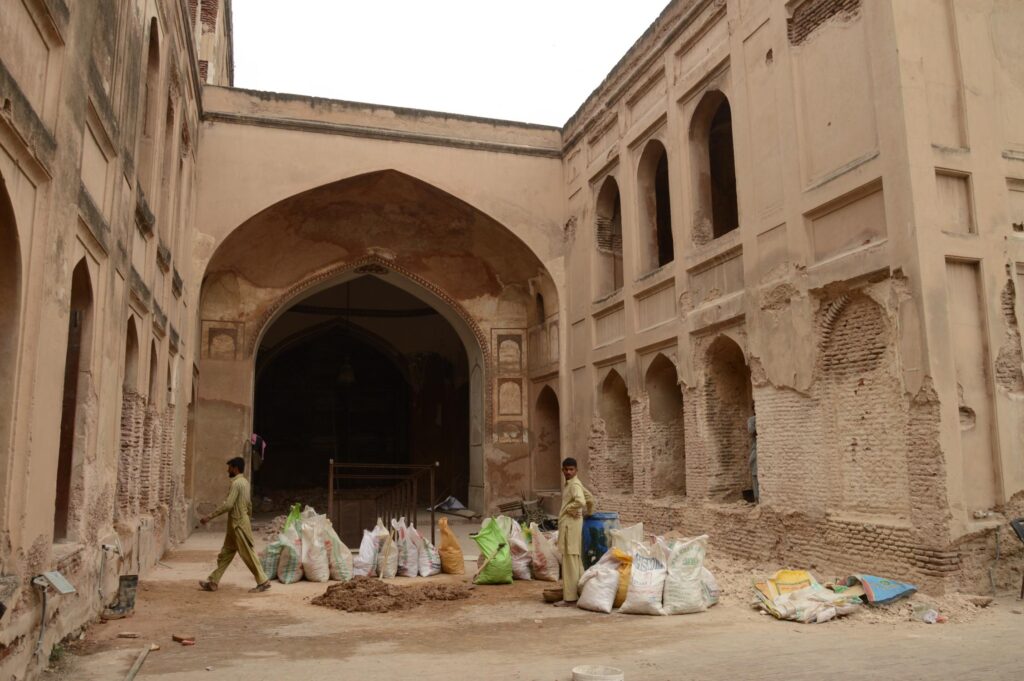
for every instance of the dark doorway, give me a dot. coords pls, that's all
(363, 372)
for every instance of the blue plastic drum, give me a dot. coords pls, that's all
(595, 536)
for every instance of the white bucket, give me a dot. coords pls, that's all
(595, 673)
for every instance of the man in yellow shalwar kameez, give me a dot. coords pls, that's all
(575, 499)
(238, 538)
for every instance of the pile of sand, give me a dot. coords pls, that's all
(368, 594)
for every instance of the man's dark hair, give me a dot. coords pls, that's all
(569, 462)
(238, 462)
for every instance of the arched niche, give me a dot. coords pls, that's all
(666, 430)
(547, 441)
(728, 404)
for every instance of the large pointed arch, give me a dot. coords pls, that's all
(476, 273)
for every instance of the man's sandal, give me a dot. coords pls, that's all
(208, 586)
(260, 588)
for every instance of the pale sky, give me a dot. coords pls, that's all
(532, 60)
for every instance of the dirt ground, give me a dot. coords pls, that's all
(508, 633)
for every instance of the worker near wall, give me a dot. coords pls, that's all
(575, 498)
(238, 538)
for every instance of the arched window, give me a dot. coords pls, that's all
(656, 246)
(170, 382)
(168, 175)
(71, 421)
(150, 109)
(541, 312)
(131, 358)
(151, 394)
(666, 438)
(608, 238)
(717, 211)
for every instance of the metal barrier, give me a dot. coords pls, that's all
(392, 501)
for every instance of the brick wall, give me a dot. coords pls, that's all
(727, 404)
(659, 451)
(611, 460)
(129, 469)
(208, 14)
(865, 411)
(1008, 361)
(809, 15)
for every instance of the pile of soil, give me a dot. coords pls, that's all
(368, 594)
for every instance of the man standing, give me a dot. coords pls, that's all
(238, 538)
(575, 498)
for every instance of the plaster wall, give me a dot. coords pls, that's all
(867, 285)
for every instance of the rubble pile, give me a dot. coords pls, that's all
(368, 594)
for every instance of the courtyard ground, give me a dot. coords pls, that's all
(507, 632)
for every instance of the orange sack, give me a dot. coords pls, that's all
(452, 560)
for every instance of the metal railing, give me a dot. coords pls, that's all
(401, 498)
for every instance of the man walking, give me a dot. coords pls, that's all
(238, 538)
(575, 498)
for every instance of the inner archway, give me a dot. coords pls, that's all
(362, 371)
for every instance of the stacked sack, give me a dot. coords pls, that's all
(400, 552)
(307, 548)
(662, 577)
(509, 552)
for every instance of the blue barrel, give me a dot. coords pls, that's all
(596, 539)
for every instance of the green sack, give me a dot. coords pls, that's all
(495, 555)
(294, 516)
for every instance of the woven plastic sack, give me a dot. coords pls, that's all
(408, 549)
(599, 584)
(623, 538)
(269, 557)
(315, 564)
(710, 584)
(289, 564)
(428, 555)
(544, 561)
(452, 560)
(521, 555)
(387, 559)
(339, 557)
(365, 563)
(496, 565)
(684, 561)
(646, 582)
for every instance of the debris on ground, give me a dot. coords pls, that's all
(184, 639)
(129, 634)
(366, 594)
(273, 528)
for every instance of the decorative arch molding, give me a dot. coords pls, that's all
(371, 264)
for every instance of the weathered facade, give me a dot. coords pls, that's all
(809, 211)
